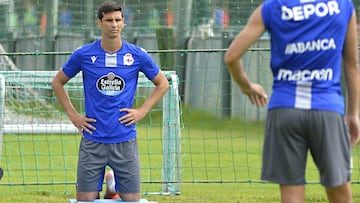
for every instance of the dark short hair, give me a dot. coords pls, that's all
(107, 7)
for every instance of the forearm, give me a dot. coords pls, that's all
(243, 41)
(154, 98)
(351, 68)
(238, 74)
(353, 88)
(64, 99)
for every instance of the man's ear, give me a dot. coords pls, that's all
(99, 23)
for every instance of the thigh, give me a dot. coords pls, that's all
(285, 147)
(330, 147)
(124, 160)
(92, 161)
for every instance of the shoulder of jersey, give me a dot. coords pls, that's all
(86, 47)
(134, 48)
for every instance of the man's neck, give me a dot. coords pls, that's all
(111, 45)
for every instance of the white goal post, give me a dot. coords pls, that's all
(22, 83)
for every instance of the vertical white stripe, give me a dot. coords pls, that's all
(303, 95)
(111, 60)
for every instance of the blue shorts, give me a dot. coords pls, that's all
(292, 133)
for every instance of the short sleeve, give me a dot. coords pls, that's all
(148, 65)
(73, 65)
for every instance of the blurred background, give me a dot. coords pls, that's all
(41, 34)
(19, 17)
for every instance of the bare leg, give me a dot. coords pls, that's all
(340, 194)
(134, 197)
(292, 193)
(110, 192)
(86, 196)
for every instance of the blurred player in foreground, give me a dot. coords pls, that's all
(309, 41)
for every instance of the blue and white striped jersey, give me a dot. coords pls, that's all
(110, 81)
(307, 39)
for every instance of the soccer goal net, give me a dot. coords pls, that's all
(39, 144)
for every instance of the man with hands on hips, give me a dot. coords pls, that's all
(110, 68)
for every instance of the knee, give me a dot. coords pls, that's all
(341, 194)
(130, 197)
(87, 196)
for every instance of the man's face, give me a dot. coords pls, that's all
(111, 24)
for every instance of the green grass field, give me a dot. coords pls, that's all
(196, 193)
(221, 162)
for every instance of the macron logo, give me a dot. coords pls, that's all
(305, 75)
(93, 59)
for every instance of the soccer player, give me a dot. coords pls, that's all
(110, 67)
(306, 111)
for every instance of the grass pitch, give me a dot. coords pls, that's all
(221, 161)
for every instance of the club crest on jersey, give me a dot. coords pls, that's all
(110, 84)
(128, 59)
